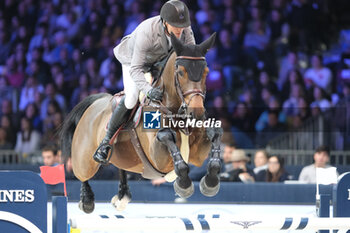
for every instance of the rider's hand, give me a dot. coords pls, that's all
(155, 94)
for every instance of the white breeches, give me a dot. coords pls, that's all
(130, 88)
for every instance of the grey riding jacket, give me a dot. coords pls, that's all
(145, 46)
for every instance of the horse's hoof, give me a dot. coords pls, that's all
(214, 167)
(87, 207)
(206, 190)
(120, 205)
(184, 193)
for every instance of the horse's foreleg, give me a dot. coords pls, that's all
(87, 198)
(183, 185)
(124, 196)
(210, 183)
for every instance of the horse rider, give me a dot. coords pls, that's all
(137, 52)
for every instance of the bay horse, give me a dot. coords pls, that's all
(183, 83)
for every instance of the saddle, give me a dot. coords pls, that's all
(135, 116)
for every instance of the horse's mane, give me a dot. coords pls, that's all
(67, 130)
(165, 75)
(165, 63)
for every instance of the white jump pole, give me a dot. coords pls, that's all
(227, 223)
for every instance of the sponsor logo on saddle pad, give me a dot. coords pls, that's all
(151, 119)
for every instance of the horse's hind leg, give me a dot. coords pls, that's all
(124, 196)
(210, 183)
(87, 198)
(183, 185)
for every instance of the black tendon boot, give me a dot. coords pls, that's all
(119, 116)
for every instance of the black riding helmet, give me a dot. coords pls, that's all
(176, 14)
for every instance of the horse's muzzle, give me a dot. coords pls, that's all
(197, 113)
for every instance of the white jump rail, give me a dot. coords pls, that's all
(192, 224)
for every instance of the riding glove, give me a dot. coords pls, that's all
(155, 94)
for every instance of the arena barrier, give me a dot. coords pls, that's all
(23, 204)
(23, 208)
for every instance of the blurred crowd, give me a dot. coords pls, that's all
(271, 168)
(275, 62)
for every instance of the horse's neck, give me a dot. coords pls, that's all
(171, 99)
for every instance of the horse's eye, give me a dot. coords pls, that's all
(181, 73)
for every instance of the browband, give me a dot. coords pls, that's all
(190, 58)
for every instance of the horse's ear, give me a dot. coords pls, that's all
(207, 44)
(178, 47)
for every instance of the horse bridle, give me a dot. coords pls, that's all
(192, 92)
(183, 109)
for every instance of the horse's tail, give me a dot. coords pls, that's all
(72, 120)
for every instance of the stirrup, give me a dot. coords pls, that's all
(104, 146)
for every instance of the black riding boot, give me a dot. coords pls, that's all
(119, 116)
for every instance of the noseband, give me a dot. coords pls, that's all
(192, 92)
